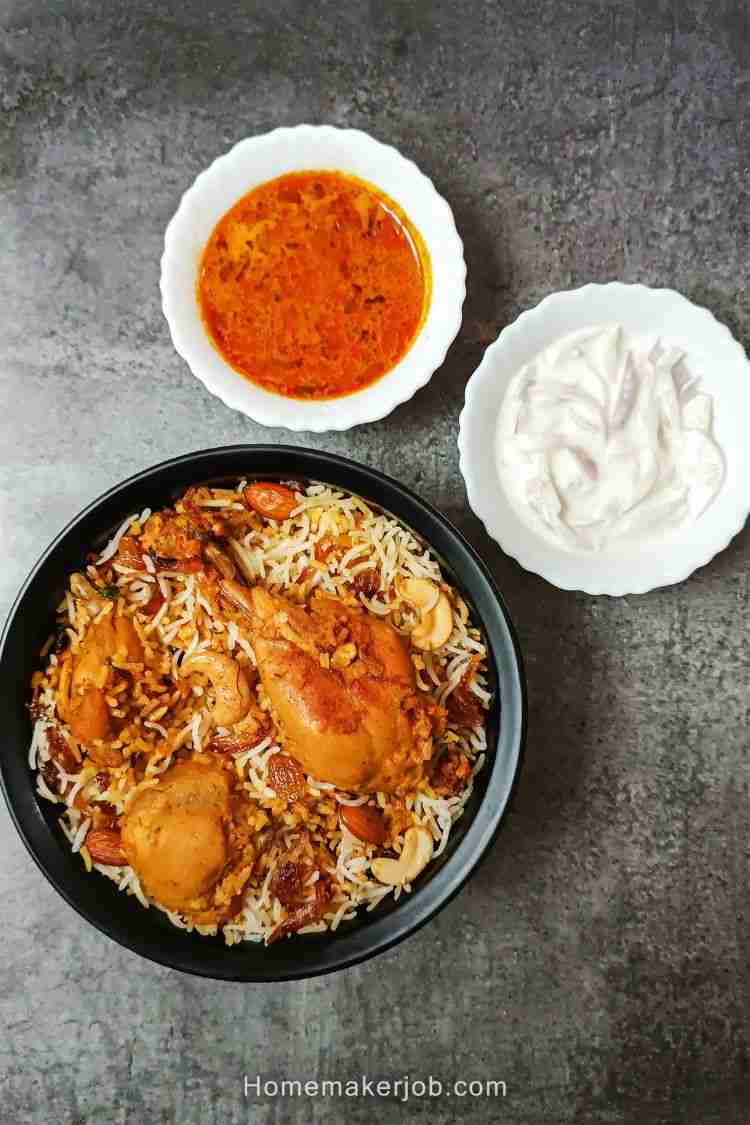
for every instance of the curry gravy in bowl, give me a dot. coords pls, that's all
(314, 285)
(313, 278)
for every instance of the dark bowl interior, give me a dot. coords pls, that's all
(149, 932)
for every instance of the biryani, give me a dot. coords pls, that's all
(262, 709)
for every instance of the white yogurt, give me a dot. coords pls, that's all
(605, 438)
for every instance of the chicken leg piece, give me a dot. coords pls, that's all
(342, 685)
(189, 840)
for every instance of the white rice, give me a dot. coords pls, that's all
(111, 549)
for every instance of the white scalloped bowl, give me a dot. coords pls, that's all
(712, 353)
(255, 160)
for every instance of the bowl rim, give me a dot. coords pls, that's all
(434, 220)
(413, 911)
(636, 570)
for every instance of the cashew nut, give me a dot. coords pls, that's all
(415, 855)
(418, 592)
(229, 682)
(435, 627)
(220, 560)
(436, 615)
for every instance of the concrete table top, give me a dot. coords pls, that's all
(598, 962)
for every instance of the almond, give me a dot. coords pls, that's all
(274, 501)
(105, 846)
(365, 822)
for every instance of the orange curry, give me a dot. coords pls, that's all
(314, 285)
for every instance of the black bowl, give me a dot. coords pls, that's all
(149, 932)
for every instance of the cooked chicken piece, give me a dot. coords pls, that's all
(198, 504)
(231, 689)
(342, 684)
(88, 675)
(171, 536)
(89, 716)
(114, 637)
(188, 840)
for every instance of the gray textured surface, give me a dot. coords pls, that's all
(598, 962)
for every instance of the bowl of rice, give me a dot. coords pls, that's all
(264, 712)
